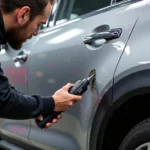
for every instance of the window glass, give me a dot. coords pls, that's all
(71, 9)
(50, 18)
(117, 1)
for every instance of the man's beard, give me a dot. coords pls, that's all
(15, 38)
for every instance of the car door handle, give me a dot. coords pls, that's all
(20, 58)
(107, 35)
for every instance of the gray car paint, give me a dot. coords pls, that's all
(134, 59)
(55, 59)
(17, 77)
(66, 59)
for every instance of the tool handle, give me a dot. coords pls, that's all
(42, 123)
(77, 89)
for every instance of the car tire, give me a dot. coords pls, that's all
(138, 138)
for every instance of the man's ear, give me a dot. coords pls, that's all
(23, 15)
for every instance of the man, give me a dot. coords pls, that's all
(19, 20)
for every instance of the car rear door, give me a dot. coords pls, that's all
(78, 44)
(14, 66)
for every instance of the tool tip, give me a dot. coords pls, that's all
(89, 78)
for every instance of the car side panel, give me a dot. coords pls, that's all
(17, 75)
(136, 56)
(59, 56)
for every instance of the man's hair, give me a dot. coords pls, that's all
(36, 6)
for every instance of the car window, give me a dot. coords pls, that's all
(117, 1)
(51, 17)
(71, 9)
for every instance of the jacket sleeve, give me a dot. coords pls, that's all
(16, 105)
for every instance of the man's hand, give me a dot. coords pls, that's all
(63, 99)
(49, 124)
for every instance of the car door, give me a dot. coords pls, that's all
(88, 36)
(14, 66)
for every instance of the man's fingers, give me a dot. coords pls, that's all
(40, 118)
(48, 125)
(76, 97)
(70, 103)
(68, 86)
(59, 117)
(54, 121)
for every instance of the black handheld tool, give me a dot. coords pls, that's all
(78, 89)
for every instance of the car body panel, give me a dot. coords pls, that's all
(17, 75)
(135, 58)
(58, 56)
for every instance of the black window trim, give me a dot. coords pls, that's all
(114, 2)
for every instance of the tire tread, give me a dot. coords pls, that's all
(132, 134)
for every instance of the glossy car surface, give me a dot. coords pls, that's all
(61, 53)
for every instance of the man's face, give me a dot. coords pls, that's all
(17, 35)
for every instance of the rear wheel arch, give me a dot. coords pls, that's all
(137, 82)
(123, 90)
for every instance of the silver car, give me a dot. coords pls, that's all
(110, 38)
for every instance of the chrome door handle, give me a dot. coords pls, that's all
(107, 35)
(20, 58)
